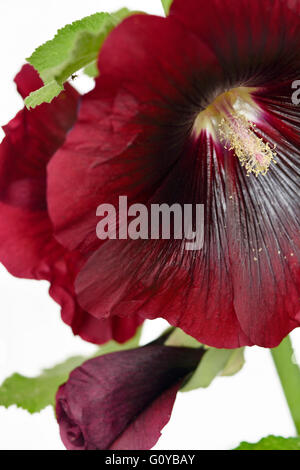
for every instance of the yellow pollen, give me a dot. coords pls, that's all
(238, 134)
(229, 119)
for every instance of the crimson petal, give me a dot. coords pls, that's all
(225, 295)
(256, 41)
(27, 246)
(124, 124)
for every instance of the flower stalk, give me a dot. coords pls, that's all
(289, 375)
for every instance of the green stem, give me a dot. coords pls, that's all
(289, 374)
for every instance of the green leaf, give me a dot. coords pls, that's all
(215, 362)
(92, 70)
(75, 46)
(166, 5)
(34, 394)
(44, 94)
(272, 443)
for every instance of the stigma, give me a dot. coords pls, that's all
(238, 134)
(229, 119)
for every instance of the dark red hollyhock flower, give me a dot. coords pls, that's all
(194, 108)
(121, 401)
(27, 245)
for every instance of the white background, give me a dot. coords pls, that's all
(32, 336)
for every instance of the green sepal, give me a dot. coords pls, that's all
(166, 5)
(214, 363)
(180, 339)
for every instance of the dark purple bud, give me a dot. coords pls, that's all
(124, 399)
